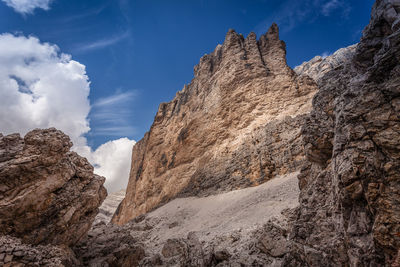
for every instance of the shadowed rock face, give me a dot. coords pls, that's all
(48, 194)
(350, 187)
(215, 134)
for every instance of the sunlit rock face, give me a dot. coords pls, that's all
(48, 194)
(237, 124)
(349, 211)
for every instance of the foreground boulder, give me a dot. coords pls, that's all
(349, 211)
(237, 124)
(48, 194)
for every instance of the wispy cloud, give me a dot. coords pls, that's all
(88, 13)
(327, 8)
(333, 5)
(112, 115)
(102, 43)
(291, 13)
(114, 99)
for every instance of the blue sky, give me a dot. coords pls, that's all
(140, 53)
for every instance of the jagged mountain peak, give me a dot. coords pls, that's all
(243, 84)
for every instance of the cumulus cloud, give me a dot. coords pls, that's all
(113, 160)
(41, 88)
(28, 6)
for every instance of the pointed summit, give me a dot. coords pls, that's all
(273, 50)
(273, 32)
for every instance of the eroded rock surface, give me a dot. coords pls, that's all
(223, 130)
(48, 194)
(350, 188)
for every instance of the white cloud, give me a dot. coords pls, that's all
(114, 99)
(41, 88)
(28, 6)
(113, 160)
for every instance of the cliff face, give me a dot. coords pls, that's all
(221, 131)
(350, 186)
(48, 195)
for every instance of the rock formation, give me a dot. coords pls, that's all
(235, 125)
(48, 194)
(349, 211)
(245, 118)
(317, 67)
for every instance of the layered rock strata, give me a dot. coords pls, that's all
(222, 131)
(349, 211)
(48, 194)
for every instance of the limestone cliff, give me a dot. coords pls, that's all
(235, 125)
(349, 211)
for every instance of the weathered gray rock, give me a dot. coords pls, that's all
(48, 194)
(109, 245)
(317, 67)
(14, 253)
(350, 188)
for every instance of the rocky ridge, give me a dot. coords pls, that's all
(222, 131)
(317, 67)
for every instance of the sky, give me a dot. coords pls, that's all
(98, 69)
